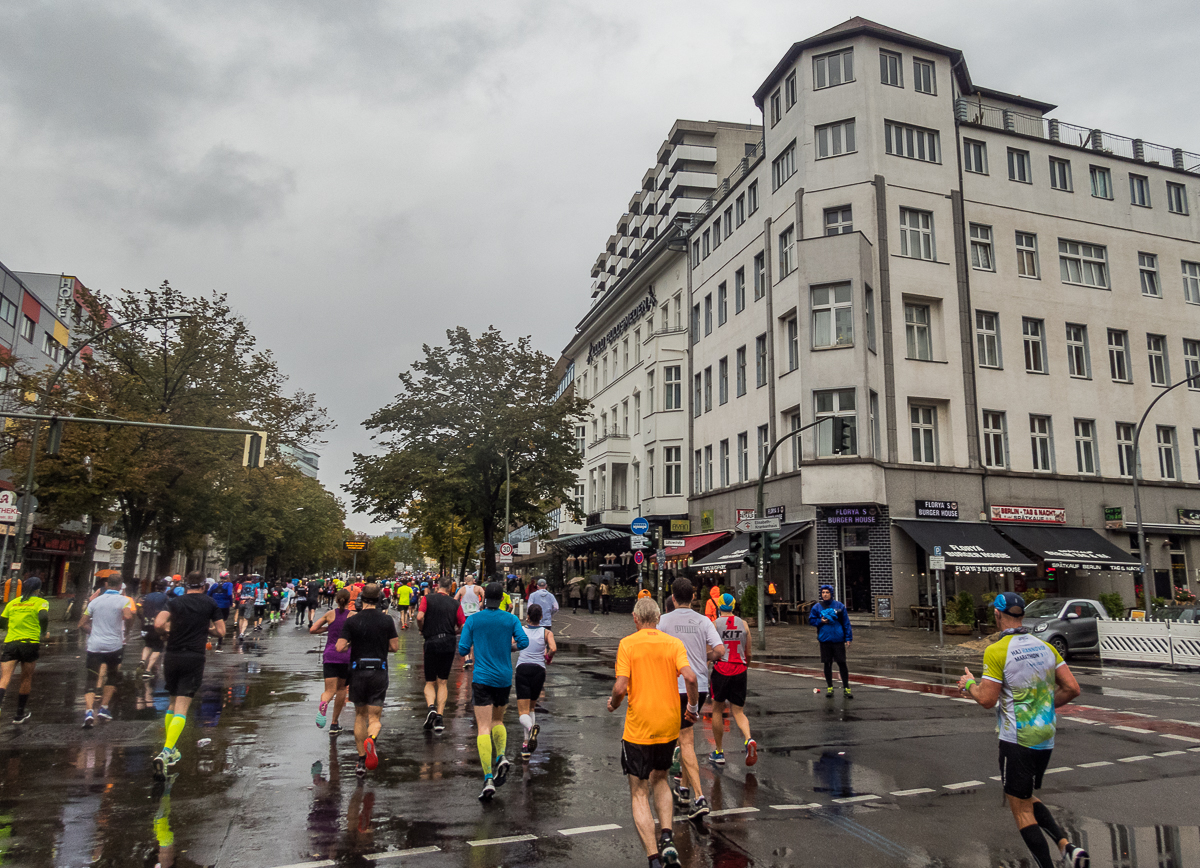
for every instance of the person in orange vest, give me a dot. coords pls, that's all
(712, 607)
(772, 604)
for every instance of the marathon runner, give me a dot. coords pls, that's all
(221, 592)
(403, 601)
(187, 622)
(703, 644)
(1025, 680)
(439, 618)
(300, 601)
(260, 603)
(491, 633)
(729, 681)
(104, 623)
(546, 600)
(649, 662)
(369, 636)
(151, 605)
(470, 597)
(26, 620)
(531, 675)
(335, 664)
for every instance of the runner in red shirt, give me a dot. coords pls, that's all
(728, 683)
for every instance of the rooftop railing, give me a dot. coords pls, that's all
(736, 175)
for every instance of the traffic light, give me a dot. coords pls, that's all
(751, 559)
(54, 438)
(843, 436)
(772, 547)
(252, 452)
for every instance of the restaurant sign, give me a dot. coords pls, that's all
(937, 509)
(1038, 514)
(645, 306)
(867, 513)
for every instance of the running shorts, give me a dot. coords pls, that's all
(483, 695)
(728, 688)
(336, 670)
(402, 607)
(638, 760)
(684, 723)
(224, 610)
(1021, 769)
(437, 663)
(154, 640)
(95, 659)
(259, 611)
(368, 687)
(22, 652)
(531, 678)
(183, 674)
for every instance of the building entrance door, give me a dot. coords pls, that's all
(858, 580)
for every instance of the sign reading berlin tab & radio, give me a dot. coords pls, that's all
(1039, 514)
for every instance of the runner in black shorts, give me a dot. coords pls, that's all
(26, 621)
(531, 675)
(369, 635)
(439, 618)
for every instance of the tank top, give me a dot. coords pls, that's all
(470, 601)
(536, 651)
(332, 655)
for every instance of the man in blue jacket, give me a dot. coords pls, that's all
(834, 633)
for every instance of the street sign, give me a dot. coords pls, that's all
(638, 558)
(662, 559)
(9, 512)
(751, 525)
(504, 559)
(937, 551)
(674, 543)
(355, 545)
(638, 542)
(740, 514)
(937, 562)
(639, 526)
(506, 551)
(20, 503)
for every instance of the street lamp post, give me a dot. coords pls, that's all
(1143, 555)
(19, 549)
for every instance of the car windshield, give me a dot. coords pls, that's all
(1047, 608)
(1168, 613)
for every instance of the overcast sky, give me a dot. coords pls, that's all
(360, 176)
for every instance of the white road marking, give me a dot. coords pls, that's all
(324, 863)
(586, 830)
(961, 699)
(1194, 748)
(1057, 770)
(849, 800)
(510, 839)
(1094, 765)
(995, 778)
(807, 807)
(1181, 737)
(963, 785)
(1138, 713)
(725, 812)
(396, 854)
(1172, 753)
(1081, 720)
(874, 686)
(917, 792)
(1133, 759)
(903, 690)
(1135, 729)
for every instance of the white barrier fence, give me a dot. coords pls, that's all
(1167, 642)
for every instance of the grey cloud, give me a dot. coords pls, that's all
(225, 188)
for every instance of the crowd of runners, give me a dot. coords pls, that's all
(666, 671)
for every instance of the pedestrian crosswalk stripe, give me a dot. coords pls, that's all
(393, 854)
(903, 690)
(962, 785)
(807, 807)
(1135, 729)
(1094, 765)
(1171, 753)
(917, 792)
(584, 830)
(725, 812)
(1180, 737)
(1133, 759)
(849, 800)
(510, 839)
(1057, 770)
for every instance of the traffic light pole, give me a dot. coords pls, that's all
(761, 641)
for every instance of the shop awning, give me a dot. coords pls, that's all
(1072, 548)
(792, 529)
(728, 555)
(588, 540)
(692, 543)
(969, 547)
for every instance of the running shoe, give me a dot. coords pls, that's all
(489, 790)
(751, 752)
(335, 729)
(683, 797)
(717, 757)
(533, 734)
(846, 690)
(173, 755)
(160, 765)
(147, 674)
(1076, 857)
(431, 717)
(321, 718)
(360, 768)
(439, 725)
(699, 809)
(104, 714)
(829, 693)
(88, 721)
(526, 753)
(372, 757)
(502, 770)
(666, 848)
(23, 718)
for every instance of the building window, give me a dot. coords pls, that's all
(787, 251)
(1101, 182)
(1139, 190)
(923, 76)
(833, 69)
(915, 143)
(1085, 446)
(708, 468)
(739, 208)
(1148, 267)
(916, 331)
(832, 316)
(650, 473)
(876, 440)
(760, 361)
(1035, 347)
(739, 290)
(1018, 166)
(1118, 356)
(1083, 264)
(708, 314)
(1191, 282)
(975, 156)
(760, 276)
(723, 461)
(52, 348)
(708, 388)
(695, 330)
(705, 245)
(1168, 456)
(625, 354)
(696, 394)
(743, 456)
(995, 450)
(695, 254)
(833, 140)
(722, 303)
(789, 92)
(716, 232)
(1060, 174)
(791, 326)
(581, 438)
(8, 311)
(625, 417)
(923, 422)
(776, 107)
(836, 403)
(839, 221)
(579, 496)
(673, 388)
(1039, 438)
(797, 449)
(1125, 457)
(981, 248)
(637, 413)
(1191, 363)
(740, 372)
(752, 197)
(870, 318)
(650, 391)
(723, 380)
(764, 445)
(673, 465)
(27, 328)
(728, 221)
(783, 167)
(987, 338)
(1196, 447)
(1156, 349)
(1078, 360)
(1176, 198)
(890, 68)
(1027, 258)
(916, 234)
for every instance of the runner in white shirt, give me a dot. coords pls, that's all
(703, 644)
(104, 622)
(470, 597)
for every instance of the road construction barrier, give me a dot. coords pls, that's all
(1163, 642)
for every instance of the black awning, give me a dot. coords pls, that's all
(1071, 548)
(967, 546)
(728, 555)
(793, 529)
(588, 540)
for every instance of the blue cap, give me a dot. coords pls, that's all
(1010, 603)
(726, 604)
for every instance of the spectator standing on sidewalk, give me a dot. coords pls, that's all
(605, 596)
(591, 593)
(834, 633)
(573, 596)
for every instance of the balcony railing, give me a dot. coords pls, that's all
(743, 167)
(609, 435)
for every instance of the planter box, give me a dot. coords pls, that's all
(958, 629)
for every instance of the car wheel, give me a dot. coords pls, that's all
(1060, 645)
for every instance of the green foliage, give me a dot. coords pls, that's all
(1113, 604)
(1034, 594)
(748, 604)
(961, 609)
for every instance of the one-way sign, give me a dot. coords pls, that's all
(751, 525)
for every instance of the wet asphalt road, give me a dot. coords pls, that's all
(896, 776)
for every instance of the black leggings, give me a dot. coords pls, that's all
(832, 652)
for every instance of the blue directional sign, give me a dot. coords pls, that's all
(639, 526)
(937, 551)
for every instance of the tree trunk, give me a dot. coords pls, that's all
(462, 573)
(489, 548)
(83, 583)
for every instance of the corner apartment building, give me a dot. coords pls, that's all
(988, 296)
